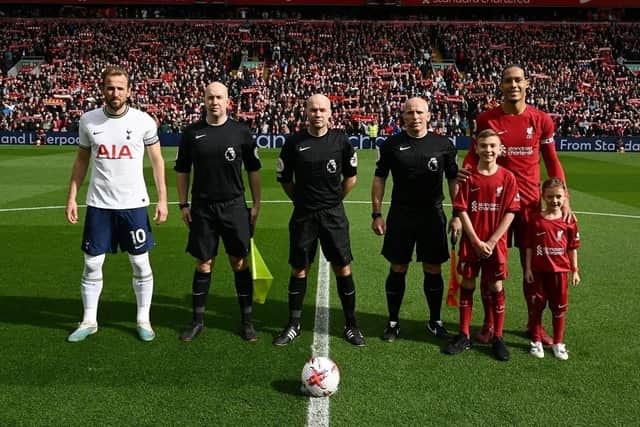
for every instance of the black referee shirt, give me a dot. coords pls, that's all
(216, 154)
(316, 165)
(417, 166)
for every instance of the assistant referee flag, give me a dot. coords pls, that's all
(260, 274)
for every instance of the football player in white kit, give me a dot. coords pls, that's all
(114, 138)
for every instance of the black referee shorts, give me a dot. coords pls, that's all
(330, 226)
(419, 227)
(228, 219)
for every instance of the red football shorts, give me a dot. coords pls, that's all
(490, 271)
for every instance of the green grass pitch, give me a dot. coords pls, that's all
(114, 379)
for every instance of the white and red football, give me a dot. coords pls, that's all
(320, 377)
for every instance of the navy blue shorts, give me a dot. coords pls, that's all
(105, 229)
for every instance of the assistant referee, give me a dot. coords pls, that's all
(216, 148)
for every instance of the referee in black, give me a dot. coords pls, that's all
(317, 169)
(216, 148)
(417, 162)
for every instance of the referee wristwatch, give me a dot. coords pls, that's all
(375, 215)
(183, 205)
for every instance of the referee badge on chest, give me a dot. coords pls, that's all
(432, 164)
(230, 154)
(331, 166)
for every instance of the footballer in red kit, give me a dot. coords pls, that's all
(486, 204)
(551, 239)
(486, 199)
(526, 134)
(551, 254)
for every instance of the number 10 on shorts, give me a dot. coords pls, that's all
(138, 238)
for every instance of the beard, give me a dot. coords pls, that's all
(116, 104)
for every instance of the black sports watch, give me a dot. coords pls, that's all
(375, 215)
(183, 205)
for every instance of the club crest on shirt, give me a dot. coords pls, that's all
(499, 191)
(559, 234)
(529, 132)
(432, 164)
(230, 154)
(332, 167)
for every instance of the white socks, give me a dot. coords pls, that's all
(91, 287)
(142, 285)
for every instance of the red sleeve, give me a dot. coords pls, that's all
(512, 195)
(548, 149)
(551, 162)
(460, 202)
(548, 129)
(573, 240)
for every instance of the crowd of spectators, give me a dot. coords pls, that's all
(577, 72)
(377, 12)
(367, 68)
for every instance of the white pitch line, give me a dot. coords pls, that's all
(318, 410)
(352, 202)
(38, 208)
(608, 214)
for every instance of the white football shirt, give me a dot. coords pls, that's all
(117, 145)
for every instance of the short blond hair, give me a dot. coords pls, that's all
(115, 71)
(487, 133)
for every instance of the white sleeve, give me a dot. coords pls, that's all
(83, 134)
(150, 130)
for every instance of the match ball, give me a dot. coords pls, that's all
(320, 377)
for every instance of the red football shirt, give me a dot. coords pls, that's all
(522, 136)
(551, 240)
(486, 199)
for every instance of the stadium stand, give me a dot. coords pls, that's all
(585, 74)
